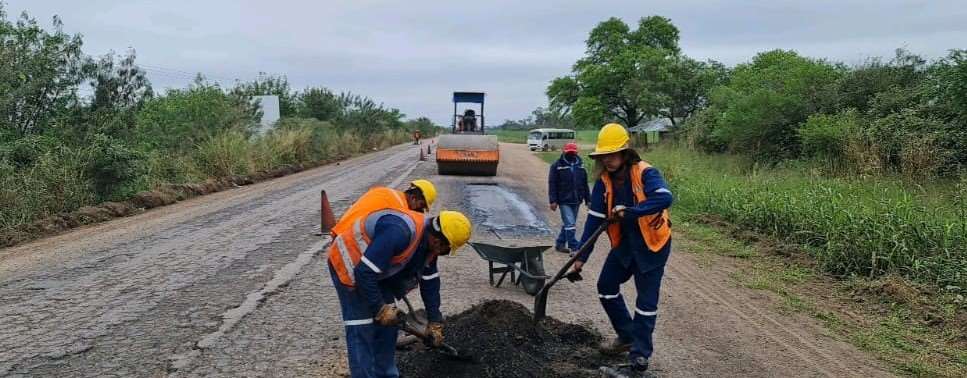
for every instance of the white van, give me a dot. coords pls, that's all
(549, 139)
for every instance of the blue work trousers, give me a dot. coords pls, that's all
(647, 282)
(371, 347)
(568, 235)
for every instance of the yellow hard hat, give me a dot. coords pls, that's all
(426, 187)
(612, 138)
(456, 228)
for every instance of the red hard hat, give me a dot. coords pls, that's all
(571, 147)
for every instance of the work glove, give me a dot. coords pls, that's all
(388, 316)
(617, 213)
(434, 331)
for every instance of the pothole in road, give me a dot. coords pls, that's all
(503, 212)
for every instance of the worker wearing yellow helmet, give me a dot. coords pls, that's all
(420, 195)
(634, 198)
(377, 255)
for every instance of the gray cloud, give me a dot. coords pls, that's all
(412, 55)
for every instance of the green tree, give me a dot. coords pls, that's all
(424, 125)
(686, 88)
(39, 74)
(765, 101)
(181, 118)
(620, 75)
(319, 103)
(365, 116)
(119, 89)
(266, 85)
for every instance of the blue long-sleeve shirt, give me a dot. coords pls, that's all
(390, 239)
(659, 197)
(567, 181)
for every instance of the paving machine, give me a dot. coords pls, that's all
(467, 150)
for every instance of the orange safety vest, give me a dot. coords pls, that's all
(353, 233)
(655, 237)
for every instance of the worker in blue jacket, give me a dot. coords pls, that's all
(378, 254)
(567, 189)
(634, 197)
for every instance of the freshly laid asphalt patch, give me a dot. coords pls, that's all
(505, 341)
(503, 212)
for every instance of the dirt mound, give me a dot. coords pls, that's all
(506, 342)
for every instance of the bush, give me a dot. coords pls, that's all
(27, 151)
(827, 137)
(224, 154)
(766, 100)
(55, 183)
(112, 166)
(183, 118)
(912, 143)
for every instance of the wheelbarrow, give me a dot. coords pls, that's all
(524, 264)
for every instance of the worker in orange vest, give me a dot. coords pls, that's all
(418, 197)
(634, 196)
(377, 254)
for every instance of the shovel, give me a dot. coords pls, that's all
(540, 301)
(408, 325)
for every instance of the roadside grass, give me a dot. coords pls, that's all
(906, 333)
(868, 227)
(849, 252)
(58, 184)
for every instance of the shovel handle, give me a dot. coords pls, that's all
(584, 249)
(540, 300)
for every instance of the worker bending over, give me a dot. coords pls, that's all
(378, 254)
(634, 196)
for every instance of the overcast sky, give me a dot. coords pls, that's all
(413, 54)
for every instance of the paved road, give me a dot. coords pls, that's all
(137, 296)
(233, 285)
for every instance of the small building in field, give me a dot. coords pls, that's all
(653, 129)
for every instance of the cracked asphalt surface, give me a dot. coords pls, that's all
(233, 285)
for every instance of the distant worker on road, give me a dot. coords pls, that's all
(632, 194)
(567, 189)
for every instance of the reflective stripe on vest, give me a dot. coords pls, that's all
(655, 237)
(351, 237)
(350, 245)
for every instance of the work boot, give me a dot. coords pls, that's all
(637, 368)
(562, 249)
(615, 347)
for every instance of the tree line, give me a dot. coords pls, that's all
(77, 129)
(905, 114)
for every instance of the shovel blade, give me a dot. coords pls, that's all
(540, 304)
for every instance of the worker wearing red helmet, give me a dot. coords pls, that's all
(567, 189)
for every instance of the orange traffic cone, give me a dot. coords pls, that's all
(328, 220)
